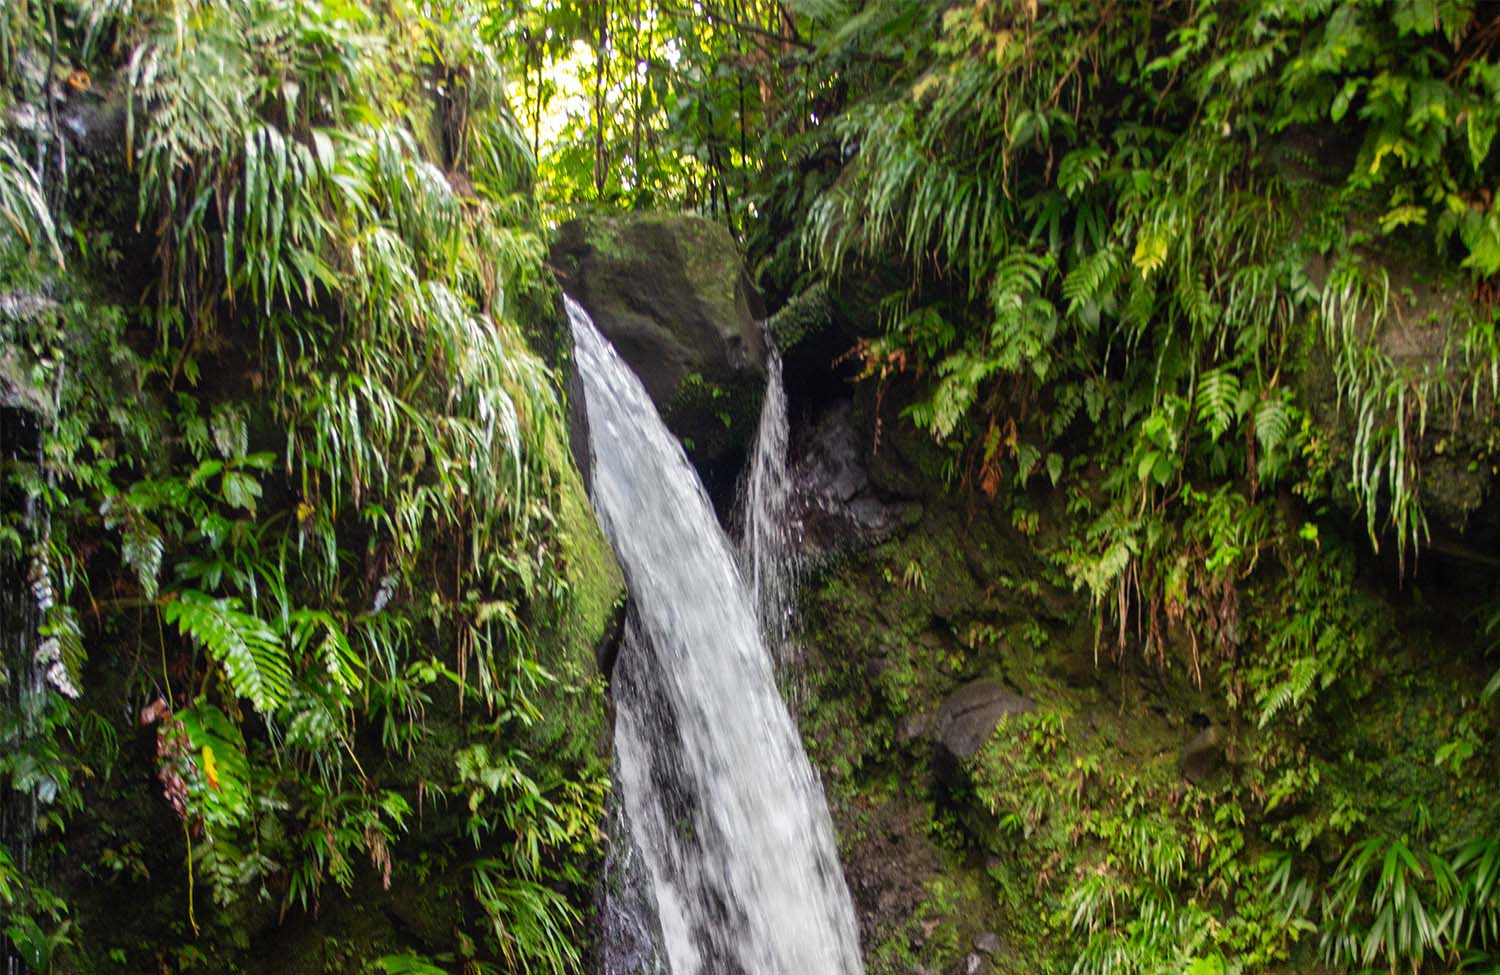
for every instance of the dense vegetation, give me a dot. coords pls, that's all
(1198, 301)
(1203, 297)
(301, 500)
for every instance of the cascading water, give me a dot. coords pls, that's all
(767, 536)
(725, 809)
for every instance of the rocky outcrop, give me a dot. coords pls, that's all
(970, 714)
(1362, 386)
(1203, 756)
(835, 503)
(17, 389)
(670, 292)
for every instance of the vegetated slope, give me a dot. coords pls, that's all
(319, 586)
(1195, 307)
(1116, 814)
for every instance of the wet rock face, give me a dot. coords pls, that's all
(671, 294)
(1430, 315)
(630, 937)
(1203, 756)
(836, 504)
(968, 716)
(18, 391)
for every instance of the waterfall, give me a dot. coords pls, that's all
(767, 536)
(725, 809)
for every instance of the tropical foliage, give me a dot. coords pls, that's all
(298, 493)
(1200, 296)
(1221, 276)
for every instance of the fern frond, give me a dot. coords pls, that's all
(317, 631)
(1291, 691)
(254, 658)
(1091, 279)
(1273, 423)
(1218, 401)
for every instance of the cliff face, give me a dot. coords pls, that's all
(1017, 790)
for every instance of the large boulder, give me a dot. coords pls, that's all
(970, 714)
(671, 293)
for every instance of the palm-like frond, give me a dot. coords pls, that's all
(23, 205)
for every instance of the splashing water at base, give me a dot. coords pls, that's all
(723, 805)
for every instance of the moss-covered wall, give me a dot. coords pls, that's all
(1143, 809)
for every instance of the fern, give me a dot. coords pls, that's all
(1219, 401)
(1290, 692)
(1475, 920)
(1386, 904)
(532, 924)
(254, 658)
(1091, 279)
(318, 633)
(1273, 423)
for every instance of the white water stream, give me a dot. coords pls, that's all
(767, 536)
(724, 807)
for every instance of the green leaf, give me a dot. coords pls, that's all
(1054, 468)
(1481, 232)
(253, 657)
(205, 471)
(403, 965)
(241, 490)
(1344, 97)
(1480, 131)
(219, 753)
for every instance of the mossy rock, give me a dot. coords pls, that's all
(670, 292)
(1429, 342)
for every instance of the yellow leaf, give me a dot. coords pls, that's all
(1002, 41)
(1403, 215)
(925, 84)
(210, 767)
(1396, 149)
(1150, 253)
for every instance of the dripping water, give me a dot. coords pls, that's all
(723, 805)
